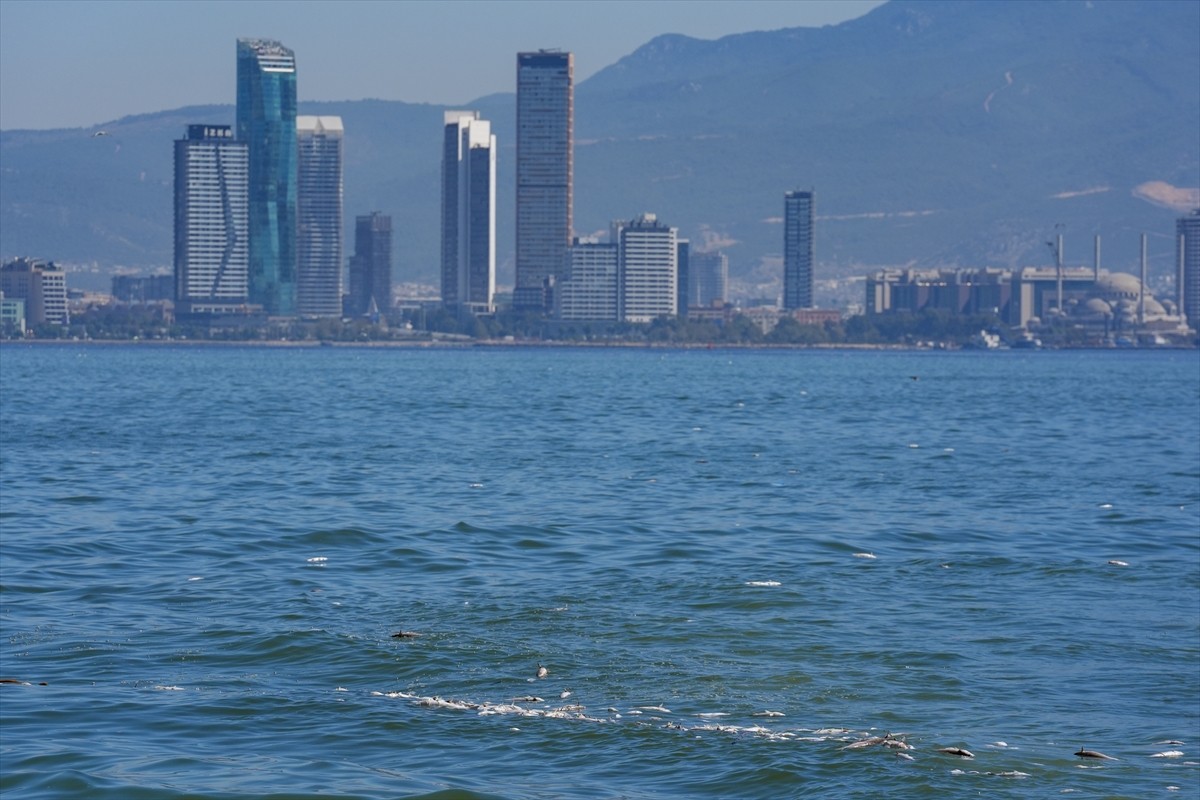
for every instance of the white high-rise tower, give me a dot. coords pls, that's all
(212, 239)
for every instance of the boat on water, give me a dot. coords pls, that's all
(985, 341)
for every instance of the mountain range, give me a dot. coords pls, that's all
(934, 132)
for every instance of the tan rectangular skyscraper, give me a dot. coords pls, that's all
(545, 171)
(319, 213)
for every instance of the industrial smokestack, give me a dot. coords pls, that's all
(1142, 288)
(1096, 270)
(1059, 254)
(1179, 278)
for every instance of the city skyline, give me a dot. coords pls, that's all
(691, 178)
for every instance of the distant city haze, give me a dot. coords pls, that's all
(113, 59)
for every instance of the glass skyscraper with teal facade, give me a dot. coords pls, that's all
(266, 122)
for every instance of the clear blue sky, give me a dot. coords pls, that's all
(72, 63)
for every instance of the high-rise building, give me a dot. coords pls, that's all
(683, 259)
(212, 241)
(142, 289)
(319, 214)
(589, 291)
(1187, 230)
(12, 316)
(41, 285)
(708, 279)
(798, 250)
(648, 274)
(371, 266)
(545, 171)
(266, 122)
(468, 213)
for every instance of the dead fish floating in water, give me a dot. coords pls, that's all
(1168, 754)
(542, 671)
(956, 751)
(1082, 753)
(529, 698)
(405, 635)
(887, 740)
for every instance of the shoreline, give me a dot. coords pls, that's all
(427, 344)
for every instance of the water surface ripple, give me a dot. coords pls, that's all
(733, 564)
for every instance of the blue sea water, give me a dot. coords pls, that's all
(205, 551)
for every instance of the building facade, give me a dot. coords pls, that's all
(648, 276)
(1187, 230)
(708, 279)
(468, 213)
(545, 170)
(141, 289)
(41, 285)
(683, 275)
(589, 292)
(371, 266)
(12, 316)
(319, 239)
(798, 217)
(266, 122)
(212, 240)
(978, 291)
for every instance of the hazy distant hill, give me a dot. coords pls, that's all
(932, 132)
